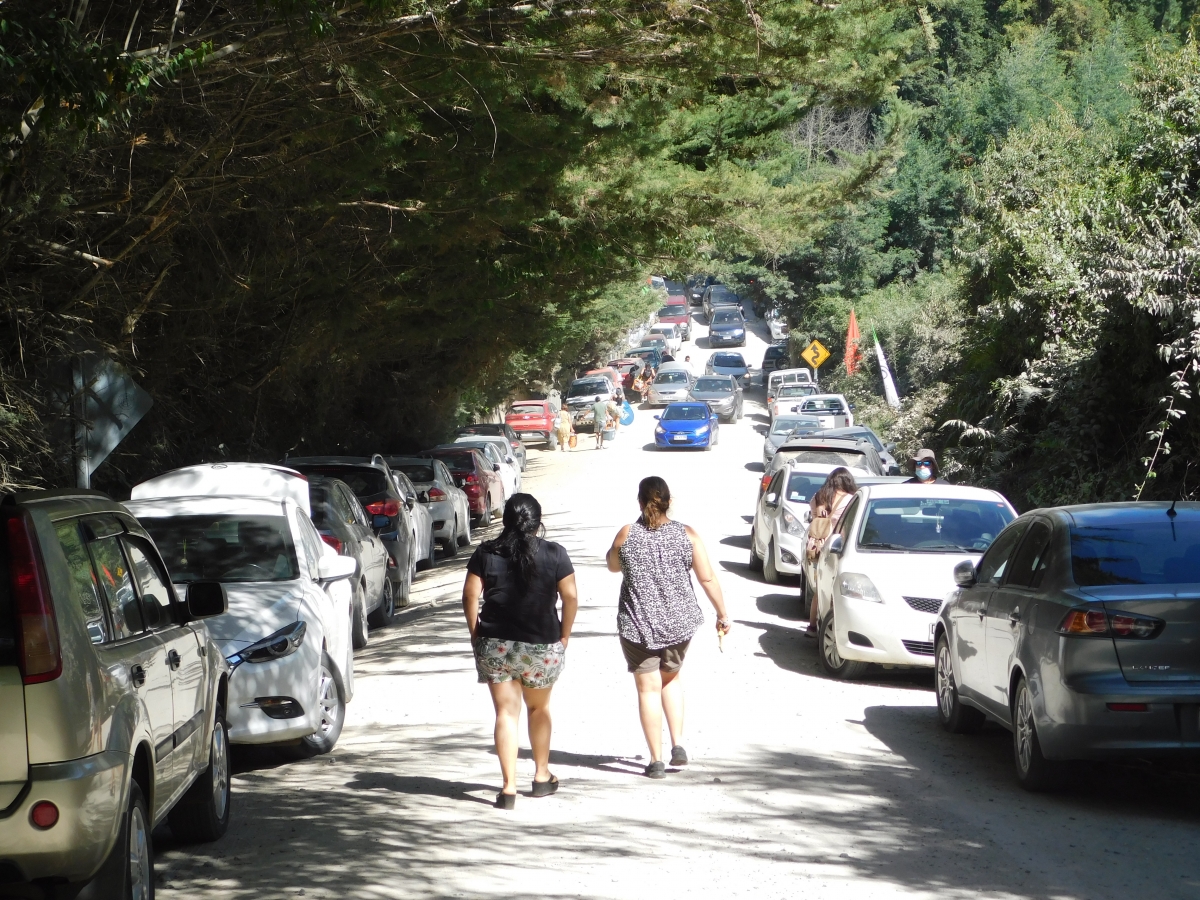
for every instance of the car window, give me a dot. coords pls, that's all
(157, 595)
(83, 580)
(826, 405)
(365, 481)
(1029, 564)
(310, 540)
(848, 458)
(995, 560)
(776, 486)
(786, 424)
(528, 409)
(229, 548)
(341, 509)
(116, 584)
(848, 518)
(714, 386)
(801, 488)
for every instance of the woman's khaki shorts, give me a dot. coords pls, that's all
(642, 660)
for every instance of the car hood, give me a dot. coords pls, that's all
(255, 611)
(900, 574)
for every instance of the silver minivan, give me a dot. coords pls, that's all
(111, 700)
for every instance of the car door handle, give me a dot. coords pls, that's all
(137, 675)
(1015, 616)
(174, 660)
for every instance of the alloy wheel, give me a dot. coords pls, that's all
(327, 697)
(1024, 728)
(945, 681)
(141, 873)
(220, 765)
(829, 645)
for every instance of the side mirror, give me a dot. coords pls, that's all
(890, 447)
(410, 502)
(380, 521)
(837, 545)
(656, 418)
(509, 459)
(206, 599)
(335, 568)
(964, 574)
(495, 467)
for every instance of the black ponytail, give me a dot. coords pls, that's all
(518, 541)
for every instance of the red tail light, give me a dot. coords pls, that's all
(389, 508)
(766, 480)
(435, 494)
(1123, 626)
(332, 542)
(40, 654)
(515, 443)
(472, 478)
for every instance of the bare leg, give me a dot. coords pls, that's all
(537, 702)
(650, 708)
(672, 704)
(506, 697)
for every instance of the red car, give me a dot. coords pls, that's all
(677, 312)
(478, 480)
(531, 419)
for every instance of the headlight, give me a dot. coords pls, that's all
(738, 332)
(702, 430)
(284, 642)
(793, 525)
(658, 429)
(858, 587)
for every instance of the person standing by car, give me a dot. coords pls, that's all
(827, 506)
(565, 428)
(658, 613)
(599, 418)
(518, 639)
(925, 468)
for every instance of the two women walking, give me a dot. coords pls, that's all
(520, 639)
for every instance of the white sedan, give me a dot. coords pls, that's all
(883, 576)
(779, 533)
(286, 635)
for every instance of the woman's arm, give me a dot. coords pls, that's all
(613, 557)
(570, 602)
(708, 580)
(472, 590)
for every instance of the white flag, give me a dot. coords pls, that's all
(889, 386)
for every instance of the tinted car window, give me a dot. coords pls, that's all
(365, 481)
(419, 474)
(458, 462)
(729, 360)
(156, 594)
(995, 561)
(341, 506)
(83, 580)
(313, 545)
(802, 487)
(587, 388)
(1137, 552)
(671, 378)
(684, 414)
(1029, 564)
(932, 524)
(112, 571)
(526, 409)
(726, 317)
(714, 386)
(784, 424)
(482, 428)
(229, 548)
(828, 405)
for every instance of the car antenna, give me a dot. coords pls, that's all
(1171, 512)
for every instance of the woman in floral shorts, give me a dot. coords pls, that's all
(519, 641)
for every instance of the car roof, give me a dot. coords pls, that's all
(826, 397)
(161, 507)
(1127, 512)
(234, 479)
(673, 367)
(906, 490)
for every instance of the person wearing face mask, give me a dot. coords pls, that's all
(925, 469)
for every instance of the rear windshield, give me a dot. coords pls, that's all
(586, 388)
(797, 390)
(1137, 552)
(726, 317)
(773, 352)
(487, 428)
(363, 480)
(932, 526)
(714, 386)
(417, 473)
(456, 461)
(225, 548)
(729, 360)
(528, 409)
(801, 488)
(671, 378)
(847, 458)
(830, 405)
(784, 424)
(685, 414)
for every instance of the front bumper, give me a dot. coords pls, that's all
(719, 337)
(663, 398)
(691, 440)
(90, 796)
(790, 559)
(294, 676)
(894, 629)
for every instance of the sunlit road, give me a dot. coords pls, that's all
(800, 786)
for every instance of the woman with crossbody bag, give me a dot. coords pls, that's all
(828, 505)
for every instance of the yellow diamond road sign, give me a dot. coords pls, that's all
(815, 354)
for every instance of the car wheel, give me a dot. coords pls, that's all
(128, 873)
(770, 573)
(450, 548)
(807, 596)
(464, 539)
(358, 618)
(382, 615)
(430, 554)
(1034, 771)
(955, 716)
(333, 714)
(756, 561)
(486, 519)
(831, 659)
(202, 814)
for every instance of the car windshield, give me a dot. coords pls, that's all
(671, 378)
(671, 312)
(528, 409)
(932, 525)
(684, 414)
(1140, 552)
(458, 462)
(714, 386)
(828, 405)
(796, 390)
(726, 317)
(801, 488)
(786, 424)
(642, 354)
(365, 481)
(417, 473)
(228, 548)
(775, 352)
(585, 388)
(847, 458)
(729, 360)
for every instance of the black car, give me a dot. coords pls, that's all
(695, 287)
(728, 328)
(391, 519)
(776, 357)
(717, 296)
(345, 526)
(498, 430)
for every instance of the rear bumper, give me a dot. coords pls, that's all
(90, 796)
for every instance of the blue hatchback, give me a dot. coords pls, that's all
(686, 425)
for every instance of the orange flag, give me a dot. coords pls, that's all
(853, 354)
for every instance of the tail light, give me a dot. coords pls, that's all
(332, 542)
(472, 478)
(389, 508)
(436, 494)
(1099, 623)
(766, 480)
(40, 654)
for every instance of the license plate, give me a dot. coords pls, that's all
(679, 437)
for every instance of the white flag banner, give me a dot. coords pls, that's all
(889, 386)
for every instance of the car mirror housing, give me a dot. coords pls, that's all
(410, 502)
(335, 568)
(495, 467)
(964, 574)
(206, 599)
(837, 544)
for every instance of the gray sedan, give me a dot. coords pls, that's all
(722, 393)
(1078, 631)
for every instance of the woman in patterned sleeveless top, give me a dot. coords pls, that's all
(659, 614)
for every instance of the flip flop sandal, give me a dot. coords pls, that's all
(506, 801)
(545, 788)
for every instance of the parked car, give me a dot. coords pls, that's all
(783, 429)
(890, 465)
(677, 314)
(733, 364)
(657, 340)
(779, 532)
(478, 478)
(114, 699)
(650, 356)
(717, 296)
(391, 516)
(857, 456)
(722, 393)
(695, 285)
(727, 328)
(673, 382)
(629, 368)
(533, 420)
(775, 357)
(777, 325)
(670, 333)
(344, 525)
(493, 452)
(286, 635)
(882, 576)
(497, 429)
(422, 533)
(789, 400)
(687, 424)
(584, 393)
(833, 410)
(615, 378)
(448, 505)
(780, 377)
(1077, 632)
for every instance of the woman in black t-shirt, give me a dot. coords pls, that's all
(518, 639)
